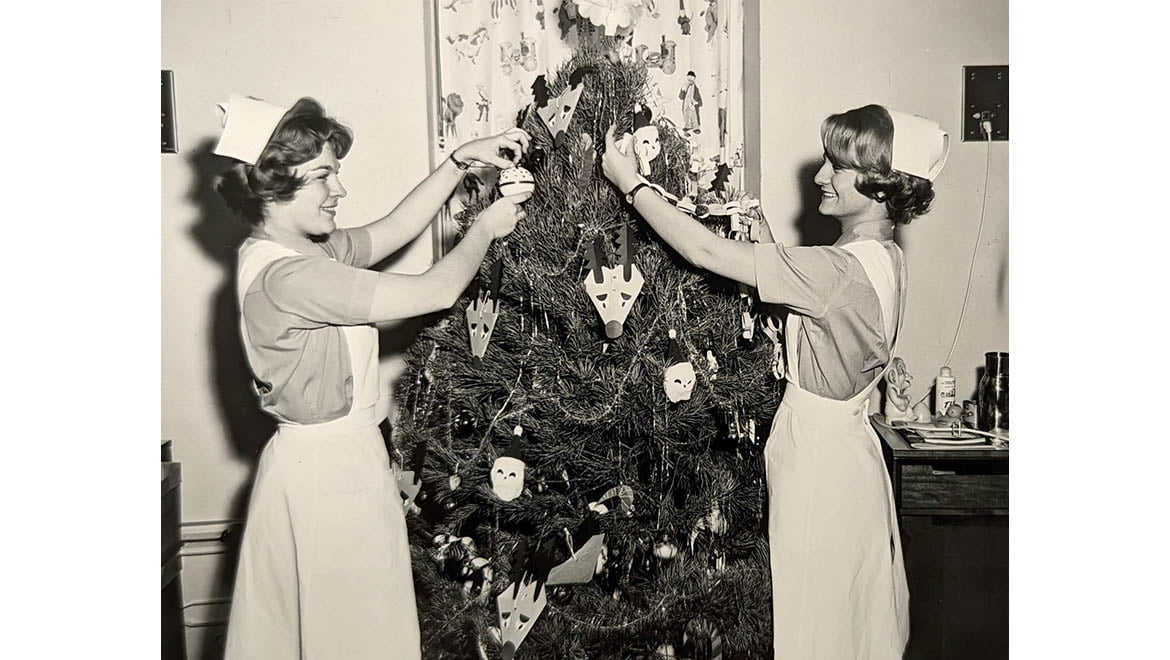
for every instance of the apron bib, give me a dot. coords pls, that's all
(324, 568)
(838, 580)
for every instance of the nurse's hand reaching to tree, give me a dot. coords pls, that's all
(621, 169)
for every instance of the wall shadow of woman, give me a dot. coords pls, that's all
(219, 233)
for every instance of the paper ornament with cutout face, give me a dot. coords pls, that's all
(508, 470)
(647, 145)
(679, 380)
(559, 112)
(483, 311)
(613, 290)
(410, 481)
(518, 609)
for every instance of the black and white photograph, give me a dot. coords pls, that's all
(603, 329)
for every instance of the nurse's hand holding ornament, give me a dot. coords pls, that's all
(503, 150)
(619, 163)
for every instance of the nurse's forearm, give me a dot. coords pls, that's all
(694, 242)
(405, 296)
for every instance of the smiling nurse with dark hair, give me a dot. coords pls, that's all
(838, 583)
(324, 568)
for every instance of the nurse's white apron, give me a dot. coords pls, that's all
(838, 582)
(324, 567)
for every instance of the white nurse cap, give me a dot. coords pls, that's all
(920, 145)
(248, 123)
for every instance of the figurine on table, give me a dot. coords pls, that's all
(897, 407)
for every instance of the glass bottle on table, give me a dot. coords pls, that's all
(993, 396)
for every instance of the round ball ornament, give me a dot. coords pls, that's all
(516, 181)
(560, 595)
(665, 548)
(463, 425)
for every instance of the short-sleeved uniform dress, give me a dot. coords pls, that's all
(838, 582)
(324, 568)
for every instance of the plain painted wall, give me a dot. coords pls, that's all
(818, 58)
(366, 62)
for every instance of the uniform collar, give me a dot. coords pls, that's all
(876, 230)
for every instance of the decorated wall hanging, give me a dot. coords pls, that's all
(487, 55)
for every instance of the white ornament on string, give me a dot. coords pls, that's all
(613, 15)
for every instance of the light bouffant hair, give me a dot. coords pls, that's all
(862, 140)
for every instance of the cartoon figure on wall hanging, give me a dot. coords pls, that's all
(711, 14)
(664, 59)
(684, 19)
(692, 100)
(497, 5)
(523, 55)
(450, 107)
(483, 105)
(450, 4)
(467, 46)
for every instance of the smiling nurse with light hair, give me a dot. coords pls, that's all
(838, 581)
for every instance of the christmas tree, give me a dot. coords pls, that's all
(584, 485)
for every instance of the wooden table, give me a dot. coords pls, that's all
(953, 514)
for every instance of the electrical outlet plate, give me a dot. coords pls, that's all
(985, 94)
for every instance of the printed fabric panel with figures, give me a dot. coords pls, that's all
(490, 53)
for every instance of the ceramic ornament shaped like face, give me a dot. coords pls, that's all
(508, 470)
(613, 290)
(482, 312)
(646, 140)
(679, 380)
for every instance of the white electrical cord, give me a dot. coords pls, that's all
(986, 126)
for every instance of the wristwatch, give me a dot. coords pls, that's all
(634, 191)
(458, 163)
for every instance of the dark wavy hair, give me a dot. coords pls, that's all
(300, 137)
(862, 139)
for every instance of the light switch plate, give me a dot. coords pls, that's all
(170, 138)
